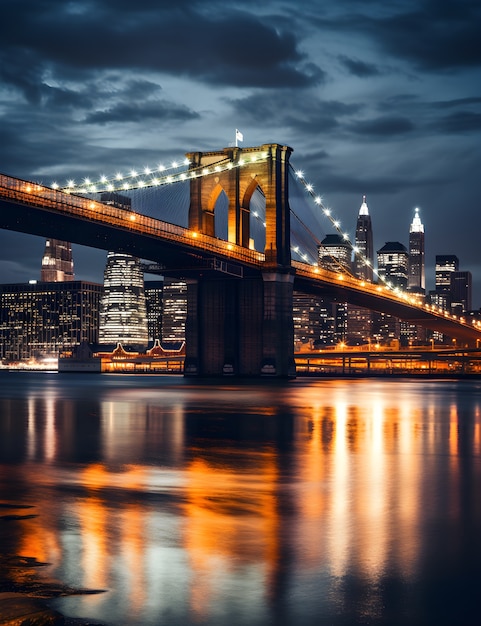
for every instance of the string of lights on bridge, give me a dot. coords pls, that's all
(309, 188)
(164, 175)
(153, 176)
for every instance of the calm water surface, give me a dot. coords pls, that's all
(309, 502)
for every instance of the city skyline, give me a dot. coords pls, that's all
(375, 99)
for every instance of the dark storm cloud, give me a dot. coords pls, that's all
(433, 35)
(383, 127)
(359, 68)
(303, 113)
(229, 47)
(144, 112)
(436, 35)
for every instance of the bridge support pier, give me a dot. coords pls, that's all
(240, 327)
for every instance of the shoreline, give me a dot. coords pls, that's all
(24, 591)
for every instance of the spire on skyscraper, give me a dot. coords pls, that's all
(364, 244)
(416, 225)
(364, 208)
(416, 282)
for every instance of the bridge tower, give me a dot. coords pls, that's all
(243, 327)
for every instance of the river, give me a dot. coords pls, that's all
(323, 502)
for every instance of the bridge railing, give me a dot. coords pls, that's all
(32, 194)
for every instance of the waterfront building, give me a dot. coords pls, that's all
(363, 241)
(57, 262)
(39, 319)
(123, 315)
(174, 311)
(313, 321)
(416, 274)
(154, 293)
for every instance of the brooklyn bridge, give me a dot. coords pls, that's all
(241, 273)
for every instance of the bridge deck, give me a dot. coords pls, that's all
(35, 209)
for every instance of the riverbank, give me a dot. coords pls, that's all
(24, 590)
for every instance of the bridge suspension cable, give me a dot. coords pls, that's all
(154, 177)
(327, 212)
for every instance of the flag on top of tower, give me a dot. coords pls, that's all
(238, 136)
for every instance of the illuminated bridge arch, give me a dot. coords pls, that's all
(265, 168)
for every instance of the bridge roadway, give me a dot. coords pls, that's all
(31, 208)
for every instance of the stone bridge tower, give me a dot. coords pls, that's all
(243, 326)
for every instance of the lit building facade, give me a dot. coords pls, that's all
(359, 320)
(313, 321)
(335, 254)
(57, 262)
(154, 293)
(123, 315)
(446, 264)
(174, 311)
(40, 319)
(416, 275)
(461, 292)
(392, 264)
(363, 241)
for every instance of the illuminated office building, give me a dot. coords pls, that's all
(57, 263)
(174, 311)
(363, 241)
(446, 264)
(335, 254)
(154, 293)
(416, 275)
(123, 315)
(40, 319)
(359, 320)
(392, 264)
(461, 292)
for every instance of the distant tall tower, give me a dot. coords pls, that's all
(57, 263)
(363, 241)
(123, 316)
(416, 280)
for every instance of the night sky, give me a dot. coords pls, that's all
(377, 98)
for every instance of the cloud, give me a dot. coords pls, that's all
(359, 68)
(228, 47)
(387, 126)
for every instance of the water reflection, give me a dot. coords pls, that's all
(341, 501)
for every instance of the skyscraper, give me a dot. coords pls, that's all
(392, 262)
(392, 266)
(154, 293)
(416, 278)
(363, 241)
(335, 254)
(174, 310)
(359, 320)
(446, 264)
(123, 316)
(57, 263)
(39, 319)
(461, 290)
